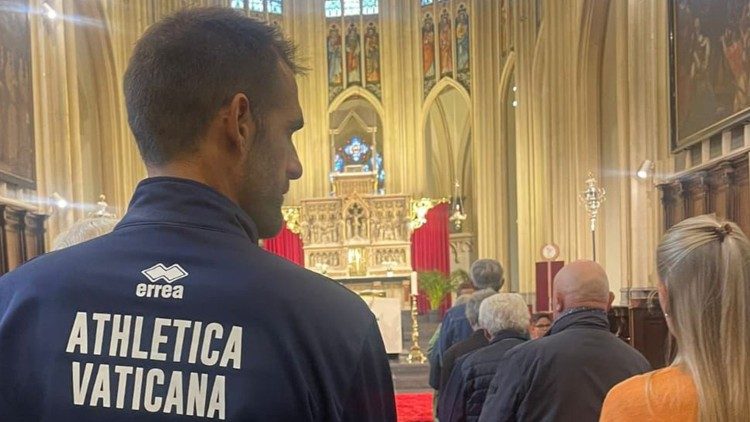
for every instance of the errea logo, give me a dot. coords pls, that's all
(161, 272)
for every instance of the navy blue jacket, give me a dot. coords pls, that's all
(476, 340)
(455, 328)
(178, 313)
(464, 393)
(563, 376)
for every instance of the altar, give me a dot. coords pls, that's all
(384, 296)
(361, 239)
(359, 236)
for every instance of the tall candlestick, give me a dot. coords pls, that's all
(414, 286)
(415, 352)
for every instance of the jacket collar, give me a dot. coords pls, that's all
(506, 334)
(479, 333)
(581, 318)
(189, 203)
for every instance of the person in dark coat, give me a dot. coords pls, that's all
(478, 339)
(565, 375)
(464, 292)
(485, 274)
(506, 316)
(178, 314)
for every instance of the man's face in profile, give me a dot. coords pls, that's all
(272, 160)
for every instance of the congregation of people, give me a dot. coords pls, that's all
(492, 360)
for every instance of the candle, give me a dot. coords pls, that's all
(414, 291)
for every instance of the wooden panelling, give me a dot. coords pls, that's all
(14, 236)
(21, 236)
(644, 328)
(723, 188)
(649, 334)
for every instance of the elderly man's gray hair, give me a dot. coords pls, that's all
(504, 311)
(84, 230)
(472, 306)
(487, 274)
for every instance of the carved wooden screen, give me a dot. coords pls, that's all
(723, 188)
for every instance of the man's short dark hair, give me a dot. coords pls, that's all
(190, 64)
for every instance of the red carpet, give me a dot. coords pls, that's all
(414, 407)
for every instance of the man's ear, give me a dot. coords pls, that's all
(611, 299)
(558, 303)
(240, 123)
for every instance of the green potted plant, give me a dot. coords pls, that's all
(435, 286)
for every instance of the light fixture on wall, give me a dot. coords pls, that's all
(645, 170)
(49, 11)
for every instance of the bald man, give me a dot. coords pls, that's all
(565, 375)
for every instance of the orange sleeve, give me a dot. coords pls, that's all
(625, 402)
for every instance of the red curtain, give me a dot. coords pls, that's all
(287, 245)
(430, 249)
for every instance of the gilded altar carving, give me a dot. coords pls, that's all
(357, 234)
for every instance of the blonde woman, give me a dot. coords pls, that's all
(704, 290)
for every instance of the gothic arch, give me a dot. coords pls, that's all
(438, 89)
(452, 146)
(354, 92)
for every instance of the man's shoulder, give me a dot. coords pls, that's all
(460, 348)
(458, 310)
(456, 313)
(301, 278)
(45, 267)
(497, 349)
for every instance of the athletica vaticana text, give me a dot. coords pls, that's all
(135, 387)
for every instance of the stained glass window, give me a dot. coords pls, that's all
(333, 8)
(356, 149)
(257, 6)
(274, 6)
(369, 7)
(426, 2)
(238, 4)
(351, 7)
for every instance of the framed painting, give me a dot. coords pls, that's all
(709, 51)
(17, 160)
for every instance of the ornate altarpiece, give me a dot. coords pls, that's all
(357, 233)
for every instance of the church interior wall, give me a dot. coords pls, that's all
(591, 80)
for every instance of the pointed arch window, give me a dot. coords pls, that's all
(446, 42)
(353, 45)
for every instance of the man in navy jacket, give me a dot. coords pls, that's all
(505, 316)
(565, 375)
(178, 313)
(485, 274)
